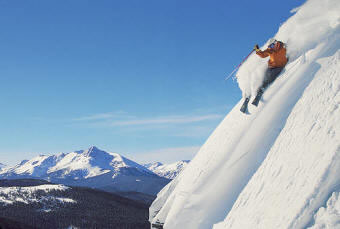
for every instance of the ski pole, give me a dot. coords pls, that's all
(230, 75)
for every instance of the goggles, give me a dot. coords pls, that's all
(272, 45)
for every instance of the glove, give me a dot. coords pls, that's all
(256, 48)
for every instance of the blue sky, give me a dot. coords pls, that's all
(141, 78)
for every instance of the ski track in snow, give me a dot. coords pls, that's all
(277, 166)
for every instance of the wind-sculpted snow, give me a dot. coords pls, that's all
(328, 216)
(277, 165)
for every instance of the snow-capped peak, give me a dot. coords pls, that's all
(153, 165)
(92, 162)
(93, 151)
(169, 171)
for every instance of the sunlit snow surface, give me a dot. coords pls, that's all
(277, 166)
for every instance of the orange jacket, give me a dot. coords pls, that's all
(277, 55)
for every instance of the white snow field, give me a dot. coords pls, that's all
(279, 165)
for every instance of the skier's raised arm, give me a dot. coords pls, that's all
(264, 53)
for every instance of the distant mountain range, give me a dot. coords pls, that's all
(93, 168)
(169, 171)
(99, 169)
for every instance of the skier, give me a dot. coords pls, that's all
(277, 61)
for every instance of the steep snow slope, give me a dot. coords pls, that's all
(91, 168)
(296, 125)
(302, 169)
(170, 171)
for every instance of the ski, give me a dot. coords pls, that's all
(257, 98)
(244, 106)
